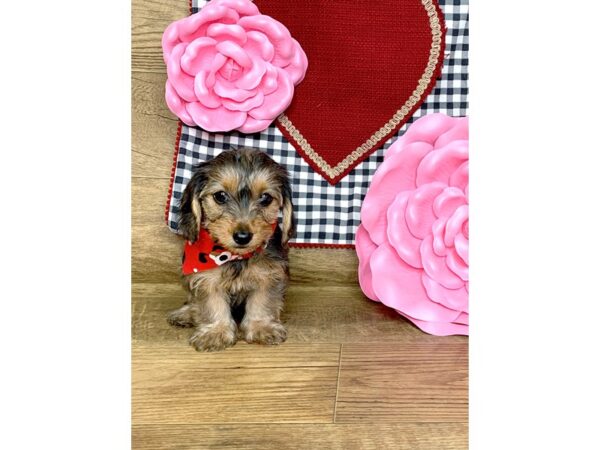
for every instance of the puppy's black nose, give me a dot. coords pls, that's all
(242, 237)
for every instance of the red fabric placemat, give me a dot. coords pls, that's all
(371, 65)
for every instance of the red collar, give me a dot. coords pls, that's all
(206, 254)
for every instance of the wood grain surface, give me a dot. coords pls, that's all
(371, 436)
(149, 20)
(411, 382)
(254, 385)
(353, 373)
(313, 314)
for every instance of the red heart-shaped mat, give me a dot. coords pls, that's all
(371, 63)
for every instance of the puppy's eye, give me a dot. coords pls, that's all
(265, 199)
(221, 197)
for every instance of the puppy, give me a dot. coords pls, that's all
(235, 257)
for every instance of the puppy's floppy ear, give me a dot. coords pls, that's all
(190, 208)
(289, 219)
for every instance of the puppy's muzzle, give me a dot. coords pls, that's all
(242, 237)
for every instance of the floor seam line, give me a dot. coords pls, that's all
(337, 387)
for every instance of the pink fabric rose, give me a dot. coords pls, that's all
(230, 67)
(413, 241)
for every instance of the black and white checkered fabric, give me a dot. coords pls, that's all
(326, 214)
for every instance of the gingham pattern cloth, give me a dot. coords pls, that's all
(329, 215)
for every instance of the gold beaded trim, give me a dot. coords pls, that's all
(434, 53)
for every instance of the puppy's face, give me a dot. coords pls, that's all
(237, 197)
(239, 209)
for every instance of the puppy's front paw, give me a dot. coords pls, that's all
(181, 317)
(270, 333)
(214, 337)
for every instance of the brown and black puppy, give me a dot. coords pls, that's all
(237, 197)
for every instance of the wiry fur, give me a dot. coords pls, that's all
(250, 290)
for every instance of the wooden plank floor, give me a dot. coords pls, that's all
(352, 375)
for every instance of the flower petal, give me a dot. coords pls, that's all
(253, 76)
(456, 299)
(401, 146)
(177, 105)
(461, 245)
(459, 131)
(269, 83)
(170, 39)
(276, 102)
(455, 223)
(440, 164)
(246, 105)
(252, 125)
(181, 81)
(364, 249)
(457, 265)
(437, 231)
(242, 7)
(430, 129)
(198, 55)
(205, 95)
(196, 25)
(259, 45)
(419, 211)
(399, 286)
(460, 177)
(456, 327)
(296, 69)
(397, 173)
(399, 236)
(235, 52)
(276, 33)
(435, 266)
(226, 89)
(223, 31)
(463, 318)
(219, 61)
(448, 201)
(217, 119)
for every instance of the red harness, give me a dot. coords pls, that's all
(206, 254)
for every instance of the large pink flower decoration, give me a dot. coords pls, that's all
(413, 241)
(230, 67)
